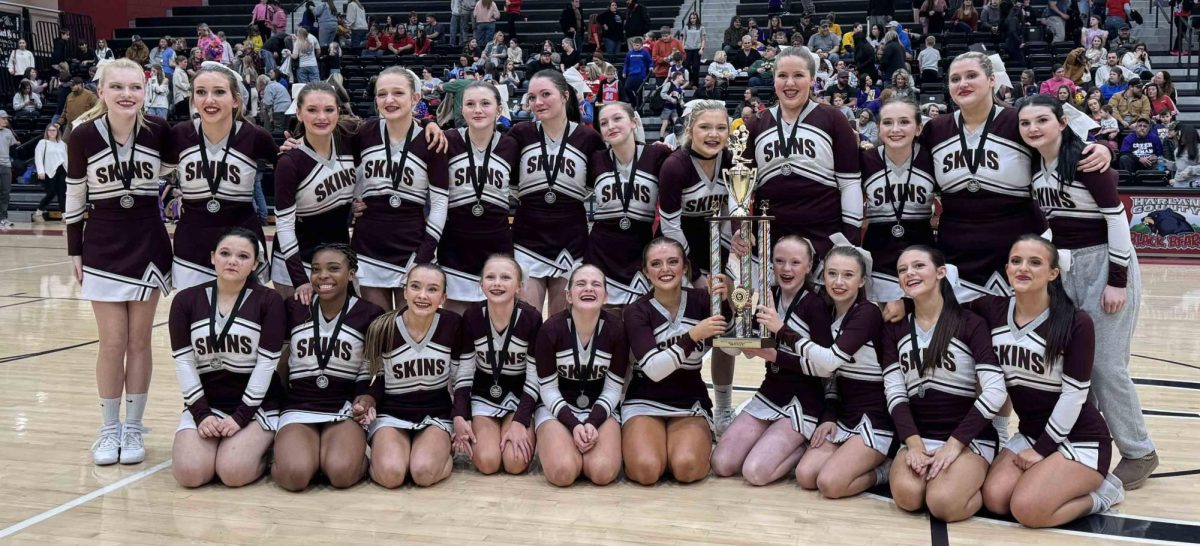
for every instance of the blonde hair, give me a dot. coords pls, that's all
(699, 108)
(102, 74)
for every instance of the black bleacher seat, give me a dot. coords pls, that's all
(1151, 178)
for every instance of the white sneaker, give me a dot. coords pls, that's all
(107, 447)
(133, 448)
(722, 417)
(39, 217)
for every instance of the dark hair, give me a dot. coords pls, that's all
(429, 266)
(950, 320)
(560, 82)
(664, 240)
(907, 101)
(317, 87)
(480, 84)
(244, 234)
(1071, 148)
(1188, 140)
(1062, 308)
(344, 249)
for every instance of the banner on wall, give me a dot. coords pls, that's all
(1164, 223)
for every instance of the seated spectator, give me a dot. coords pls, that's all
(762, 72)
(472, 49)
(746, 55)
(1187, 158)
(841, 87)
(1131, 104)
(989, 17)
(1141, 149)
(1075, 67)
(1138, 61)
(1159, 103)
(1095, 54)
(26, 103)
(422, 45)
(709, 89)
(902, 85)
(433, 29)
(868, 90)
(544, 61)
(965, 18)
(515, 53)
(377, 44)
(1112, 64)
(868, 130)
(1050, 86)
(402, 43)
(460, 69)
(1122, 42)
(732, 39)
(824, 40)
(723, 70)
(928, 59)
(874, 105)
(496, 51)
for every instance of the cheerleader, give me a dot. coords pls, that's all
(666, 416)
(582, 360)
(625, 177)
(1055, 469)
(768, 437)
(807, 158)
(328, 385)
(934, 362)
(121, 254)
(401, 177)
(897, 181)
(550, 224)
(215, 159)
(855, 434)
(314, 187)
(691, 189)
(496, 388)
(226, 336)
(412, 353)
(481, 161)
(1088, 220)
(982, 175)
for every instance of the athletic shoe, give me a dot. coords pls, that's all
(39, 217)
(133, 448)
(106, 449)
(6, 224)
(1134, 472)
(722, 417)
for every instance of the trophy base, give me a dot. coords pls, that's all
(744, 342)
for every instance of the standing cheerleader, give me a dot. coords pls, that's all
(226, 336)
(481, 161)
(855, 434)
(982, 174)
(691, 189)
(496, 387)
(412, 354)
(215, 159)
(314, 186)
(328, 385)
(666, 415)
(550, 225)
(1088, 219)
(402, 176)
(582, 359)
(121, 254)
(807, 158)
(1055, 468)
(897, 180)
(934, 362)
(768, 437)
(625, 177)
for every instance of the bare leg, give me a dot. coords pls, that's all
(850, 471)
(955, 494)
(644, 448)
(1001, 480)
(112, 324)
(344, 453)
(689, 448)
(809, 468)
(513, 462)
(390, 451)
(486, 451)
(556, 289)
(194, 458)
(139, 362)
(775, 454)
(240, 458)
(602, 463)
(429, 461)
(1053, 492)
(908, 487)
(736, 443)
(533, 292)
(561, 461)
(297, 456)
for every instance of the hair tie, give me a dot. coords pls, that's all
(840, 240)
(1064, 256)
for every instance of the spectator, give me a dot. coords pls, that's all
(636, 69)
(929, 60)
(544, 61)
(1162, 78)
(1095, 55)
(137, 51)
(460, 69)
(227, 52)
(305, 49)
(662, 49)
(868, 130)
(326, 16)
(1180, 14)
(709, 90)
(356, 16)
(7, 140)
(989, 17)
(333, 58)
(473, 50)
(612, 28)
(26, 103)
(83, 58)
(724, 71)
(893, 55)
(485, 14)
(40, 87)
(1141, 149)
(1131, 104)
(158, 91)
(694, 42)
(275, 102)
(1050, 86)
(933, 16)
(1187, 158)
(103, 53)
(570, 56)
(1138, 61)
(78, 101)
(433, 29)
(181, 88)
(762, 72)
(1075, 67)
(1056, 18)
(414, 23)
(805, 29)
(1012, 17)
(841, 86)
(1109, 128)
(209, 43)
(496, 52)
(902, 85)
(572, 22)
(50, 160)
(868, 90)
(1117, 15)
(1122, 42)
(1159, 103)
(1113, 85)
(460, 17)
(1064, 96)
(745, 56)
(823, 40)
(754, 32)
(1112, 64)
(966, 17)
(774, 26)
(159, 51)
(732, 39)
(20, 60)
(260, 16)
(375, 43)
(515, 54)
(671, 93)
(62, 47)
(637, 19)
(1093, 31)
(453, 91)
(512, 10)
(865, 56)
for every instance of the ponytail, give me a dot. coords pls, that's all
(1062, 308)
(950, 320)
(381, 334)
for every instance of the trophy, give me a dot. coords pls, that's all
(747, 290)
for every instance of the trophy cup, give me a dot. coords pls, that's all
(747, 290)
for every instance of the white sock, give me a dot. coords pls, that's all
(110, 409)
(1110, 493)
(882, 472)
(1097, 503)
(1000, 422)
(724, 396)
(135, 408)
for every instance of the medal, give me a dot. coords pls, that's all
(213, 206)
(786, 150)
(496, 361)
(210, 171)
(897, 231)
(495, 391)
(551, 197)
(786, 170)
(215, 363)
(477, 209)
(398, 174)
(476, 176)
(322, 381)
(585, 373)
(124, 172)
(552, 167)
(582, 401)
(127, 201)
(324, 355)
(216, 341)
(625, 223)
(624, 191)
(973, 186)
(774, 368)
(974, 160)
(394, 201)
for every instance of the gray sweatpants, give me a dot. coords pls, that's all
(5, 190)
(1112, 389)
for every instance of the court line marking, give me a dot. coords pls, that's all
(119, 484)
(22, 302)
(33, 267)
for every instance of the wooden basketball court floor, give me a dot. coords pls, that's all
(50, 492)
